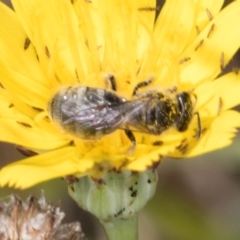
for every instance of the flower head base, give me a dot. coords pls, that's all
(115, 199)
(49, 46)
(117, 196)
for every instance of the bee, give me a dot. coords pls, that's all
(160, 112)
(90, 113)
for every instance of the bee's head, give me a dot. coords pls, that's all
(185, 108)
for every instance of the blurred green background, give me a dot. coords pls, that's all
(196, 199)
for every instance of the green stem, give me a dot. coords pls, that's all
(125, 229)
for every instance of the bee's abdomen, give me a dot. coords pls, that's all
(160, 116)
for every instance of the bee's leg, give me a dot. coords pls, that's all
(140, 85)
(132, 139)
(112, 81)
(199, 128)
(195, 96)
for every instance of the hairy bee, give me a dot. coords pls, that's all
(90, 113)
(85, 112)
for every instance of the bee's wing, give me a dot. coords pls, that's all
(105, 118)
(133, 120)
(134, 113)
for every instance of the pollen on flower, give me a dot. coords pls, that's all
(92, 90)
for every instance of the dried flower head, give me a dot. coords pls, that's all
(35, 219)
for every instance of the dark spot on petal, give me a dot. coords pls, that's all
(198, 30)
(157, 143)
(183, 146)
(183, 60)
(26, 152)
(149, 9)
(77, 75)
(47, 52)
(37, 109)
(26, 43)
(24, 124)
(211, 30)
(199, 45)
(222, 62)
(36, 55)
(210, 17)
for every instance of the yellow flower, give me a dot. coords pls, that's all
(47, 45)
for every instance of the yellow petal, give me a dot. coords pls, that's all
(173, 28)
(24, 88)
(207, 52)
(58, 163)
(20, 72)
(132, 25)
(205, 11)
(219, 95)
(25, 133)
(22, 129)
(219, 135)
(53, 28)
